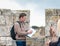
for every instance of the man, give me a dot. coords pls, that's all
(21, 30)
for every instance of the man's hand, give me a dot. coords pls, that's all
(29, 31)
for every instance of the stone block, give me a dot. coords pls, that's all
(2, 20)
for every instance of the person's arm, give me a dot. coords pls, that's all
(18, 29)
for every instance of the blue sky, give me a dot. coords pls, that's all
(36, 7)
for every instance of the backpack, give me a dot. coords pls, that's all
(12, 33)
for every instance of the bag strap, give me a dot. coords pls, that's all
(19, 23)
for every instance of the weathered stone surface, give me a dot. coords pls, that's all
(7, 19)
(2, 20)
(35, 42)
(52, 16)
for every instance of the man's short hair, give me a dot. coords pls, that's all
(22, 15)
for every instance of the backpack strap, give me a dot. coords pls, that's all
(19, 23)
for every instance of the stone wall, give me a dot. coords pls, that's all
(7, 19)
(52, 17)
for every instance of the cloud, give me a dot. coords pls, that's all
(9, 4)
(36, 16)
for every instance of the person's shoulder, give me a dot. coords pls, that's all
(16, 23)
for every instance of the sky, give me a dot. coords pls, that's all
(36, 7)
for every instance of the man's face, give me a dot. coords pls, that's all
(23, 18)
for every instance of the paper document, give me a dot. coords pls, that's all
(33, 32)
